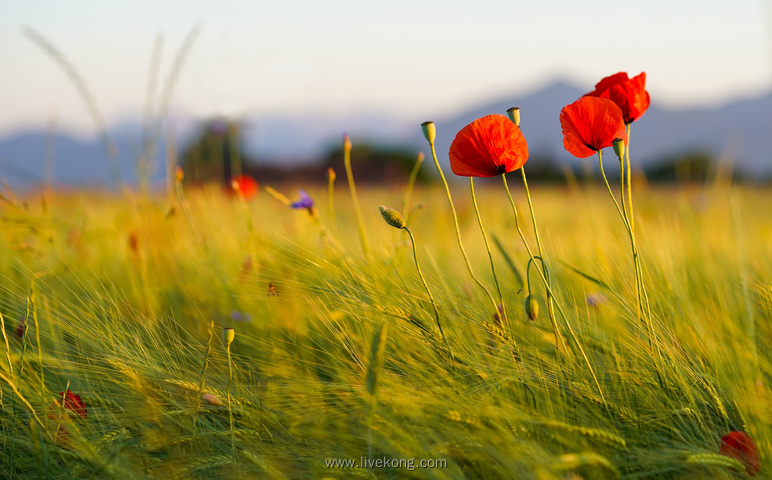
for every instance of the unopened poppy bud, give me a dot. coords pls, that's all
(331, 174)
(514, 114)
(228, 334)
(619, 147)
(392, 217)
(531, 308)
(212, 400)
(235, 186)
(430, 131)
(179, 174)
(346, 142)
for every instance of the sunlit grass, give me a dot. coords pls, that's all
(126, 288)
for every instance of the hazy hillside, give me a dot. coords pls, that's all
(739, 131)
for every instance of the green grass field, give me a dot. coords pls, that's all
(337, 355)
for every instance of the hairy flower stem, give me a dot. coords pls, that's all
(622, 187)
(558, 338)
(550, 308)
(411, 183)
(33, 305)
(354, 198)
(642, 316)
(458, 231)
(629, 182)
(429, 292)
(228, 393)
(203, 375)
(504, 320)
(331, 199)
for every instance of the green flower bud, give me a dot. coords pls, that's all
(228, 334)
(392, 217)
(619, 147)
(514, 114)
(531, 308)
(430, 131)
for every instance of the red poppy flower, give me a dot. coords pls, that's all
(629, 94)
(61, 411)
(488, 147)
(740, 446)
(72, 403)
(590, 124)
(246, 185)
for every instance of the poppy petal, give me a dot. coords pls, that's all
(488, 147)
(591, 124)
(608, 82)
(740, 446)
(74, 404)
(629, 94)
(247, 186)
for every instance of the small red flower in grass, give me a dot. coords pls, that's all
(20, 327)
(629, 94)
(72, 404)
(740, 446)
(488, 147)
(245, 184)
(591, 124)
(60, 411)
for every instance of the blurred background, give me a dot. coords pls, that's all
(98, 92)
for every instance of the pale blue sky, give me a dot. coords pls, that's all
(402, 57)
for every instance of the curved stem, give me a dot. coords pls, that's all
(528, 271)
(504, 319)
(622, 186)
(331, 199)
(201, 378)
(354, 198)
(429, 292)
(230, 411)
(558, 338)
(560, 309)
(550, 308)
(411, 182)
(458, 231)
(636, 260)
(629, 182)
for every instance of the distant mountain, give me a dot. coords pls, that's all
(739, 131)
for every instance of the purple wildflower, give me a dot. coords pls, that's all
(596, 299)
(305, 202)
(240, 317)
